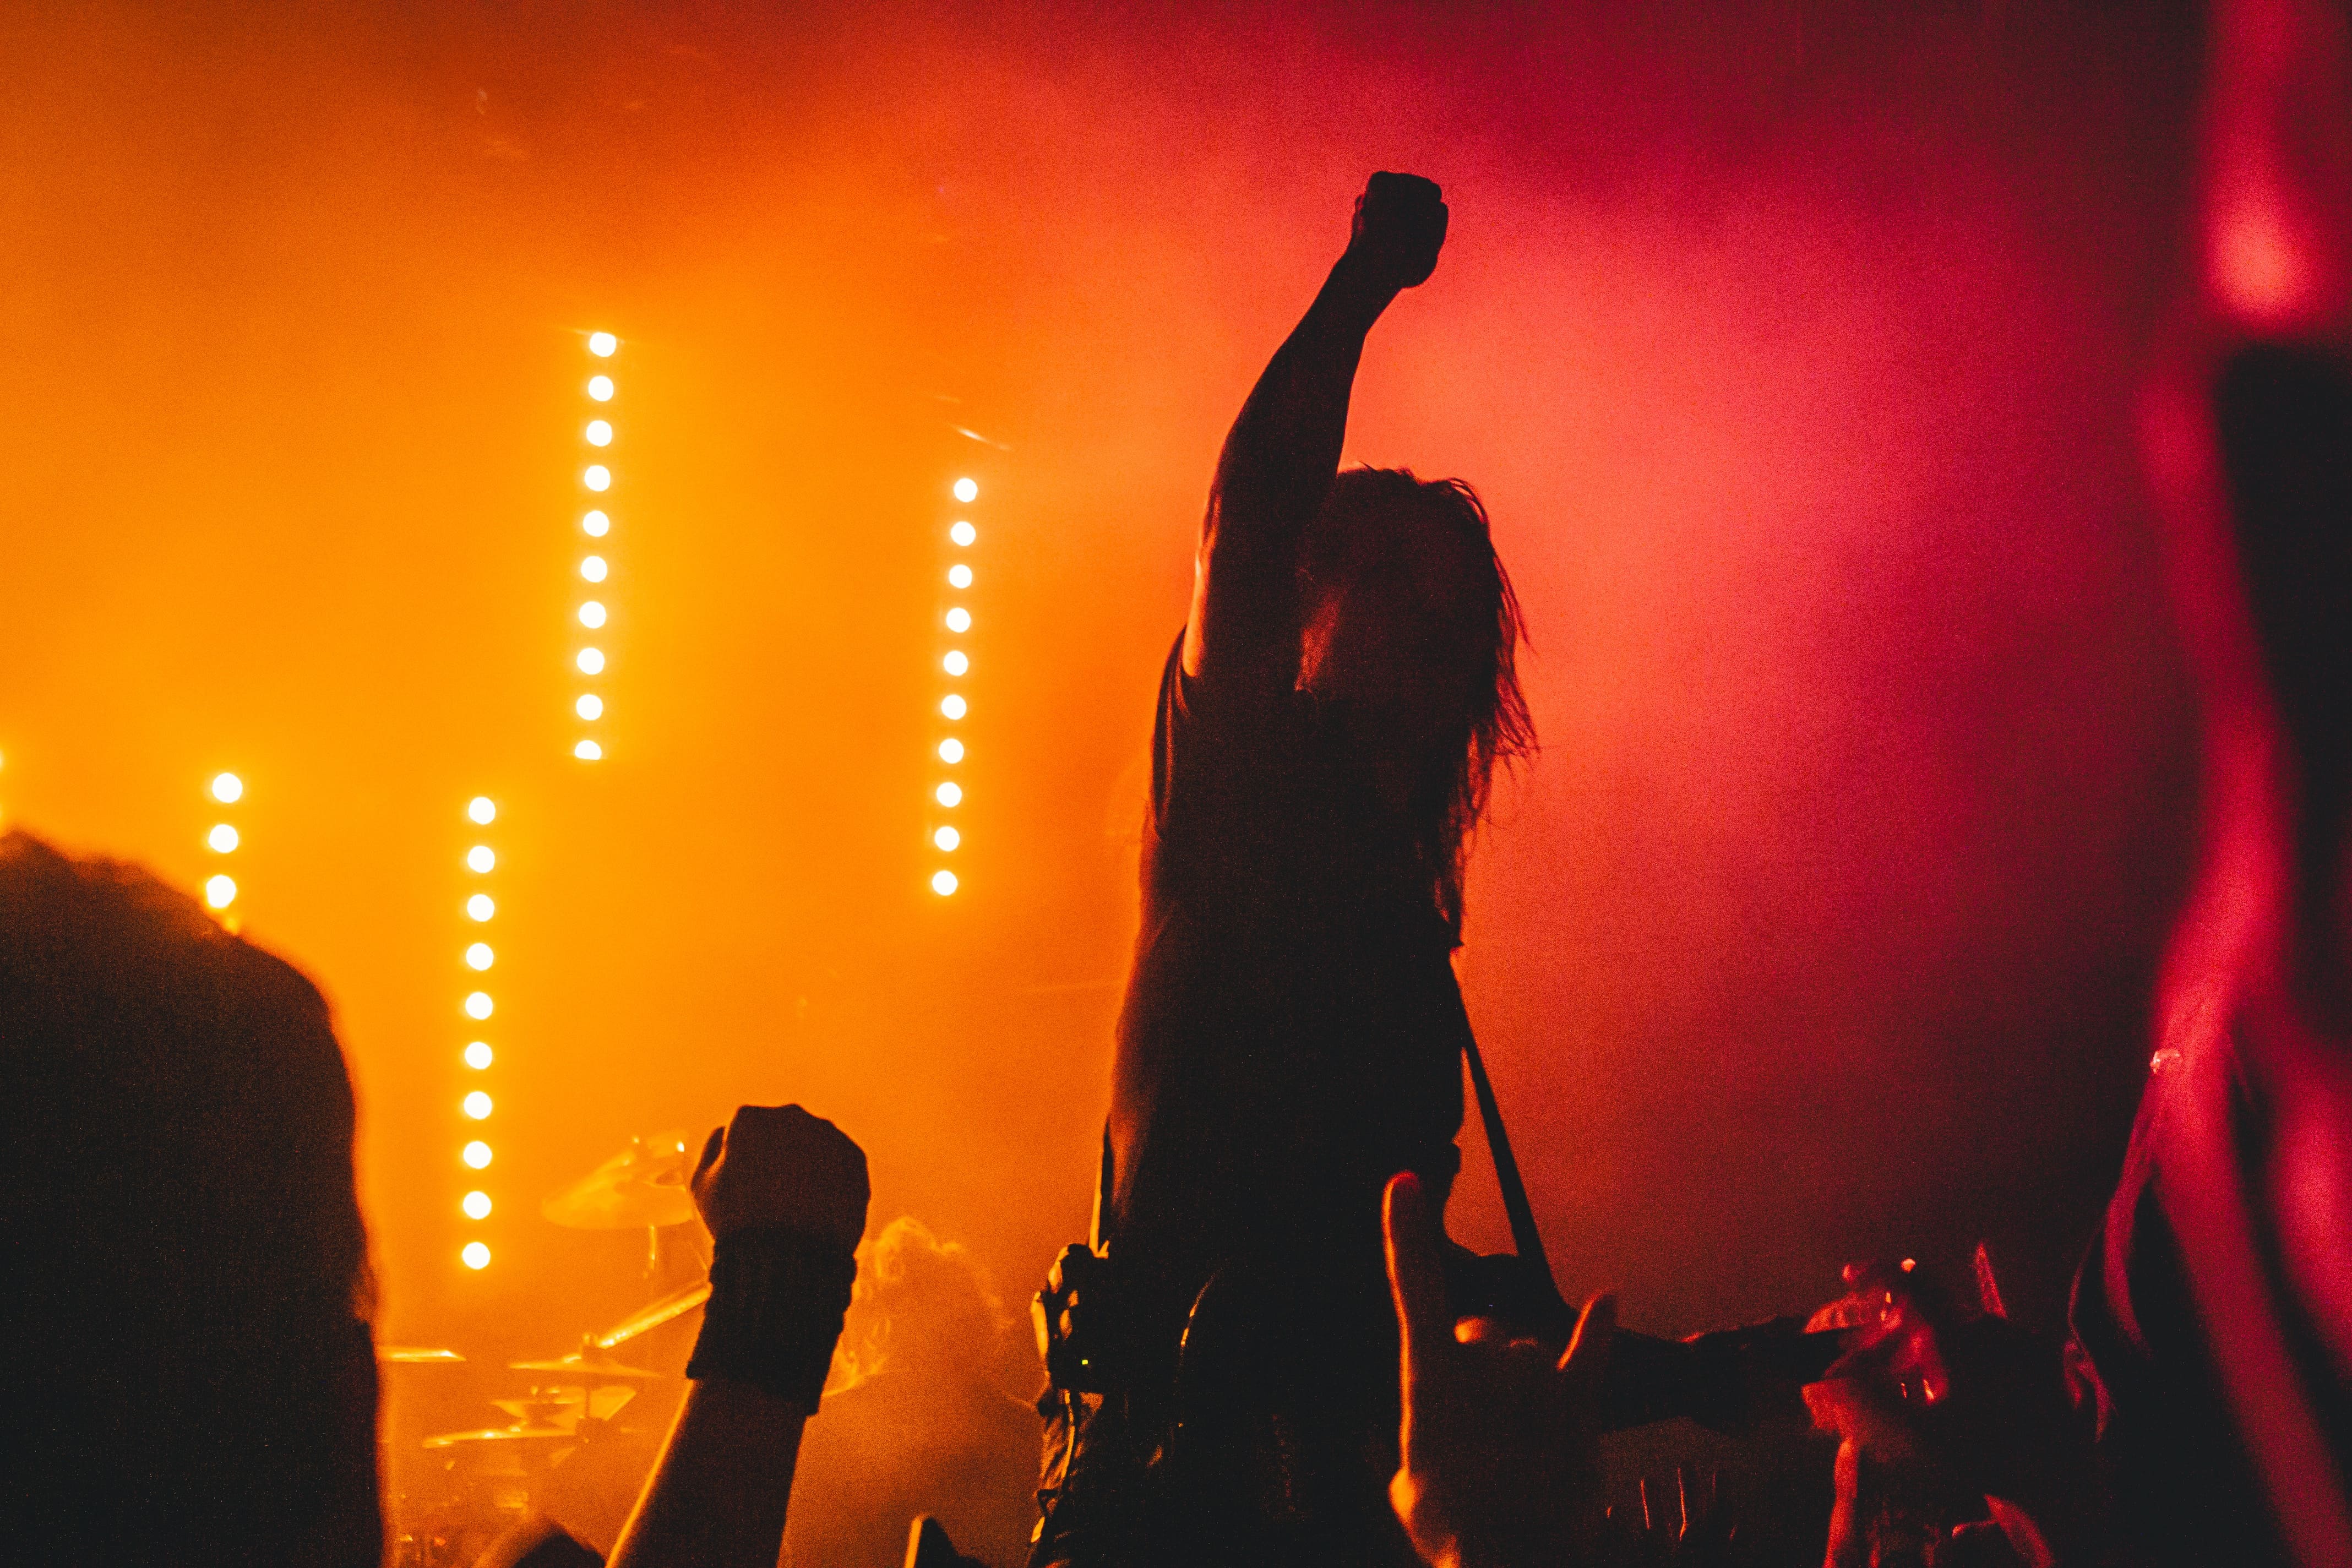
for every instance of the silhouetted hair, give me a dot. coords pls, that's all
(1495, 726)
(192, 1379)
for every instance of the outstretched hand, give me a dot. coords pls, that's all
(778, 1165)
(1498, 1466)
(1399, 228)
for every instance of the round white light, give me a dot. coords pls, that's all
(591, 614)
(591, 661)
(477, 1205)
(600, 387)
(475, 1255)
(478, 1106)
(952, 706)
(223, 838)
(478, 1155)
(958, 619)
(227, 787)
(590, 706)
(220, 891)
(477, 1005)
(948, 793)
(480, 857)
(947, 839)
(943, 883)
(601, 344)
(596, 525)
(959, 575)
(479, 956)
(963, 534)
(966, 491)
(589, 752)
(480, 907)
(477, 1054)
(592, 568)
(951, 750)
(482, 809)
(597, 478)
(955, 663)
(599, 432)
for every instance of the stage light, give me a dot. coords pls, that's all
(592, 568)
(951, 750)
(477, 1205)
(588, 751)
(223, 838)
(478, 1106)
(948, 793)
(601, 344)
(482, 809)
(220, 891)
(477, 1056)
(597, 478)
(959, 575)
(955, 663)
(599, 432)
(480, 857)
(600, 387)
(479, 956)
(952, 706)
(480, 907)
(590, 706)
(475, 1255)
(226, 788)
(477, 1155)
(966, 491)
(591, 614)
(963, 534)
(943, 883)
(947, 839)
(591, 661)
(478, 1004)
(958, 619)
(596, 525)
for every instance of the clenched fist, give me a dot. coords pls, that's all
(778, 1165)
(1399, 227)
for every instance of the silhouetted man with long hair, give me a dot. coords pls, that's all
(1291, 1032)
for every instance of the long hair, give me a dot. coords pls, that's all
(1493, 729)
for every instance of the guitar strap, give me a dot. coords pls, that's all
(1525, 1238)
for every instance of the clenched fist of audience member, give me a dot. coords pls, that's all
(778, 1165)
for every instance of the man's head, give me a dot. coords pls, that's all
(189, 1286)
(1411, 627)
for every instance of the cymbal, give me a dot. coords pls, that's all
(573, 1366)
(416, 1355)
(642, 1186)
(504, 1435)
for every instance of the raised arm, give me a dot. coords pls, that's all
(1281, 455)
(784, 1194)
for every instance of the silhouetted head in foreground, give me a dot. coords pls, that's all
(191, 1378)
(1410, 628)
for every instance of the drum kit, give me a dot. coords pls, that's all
(574, 1407)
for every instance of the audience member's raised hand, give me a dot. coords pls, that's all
(1956, 1401)
(1399, 228)
(1498, 1467)
(778, 1165)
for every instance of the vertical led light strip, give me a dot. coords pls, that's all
(220, 887)
(945, 834)
(589, 706)
(476, 1105)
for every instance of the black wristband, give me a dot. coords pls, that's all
(777, 1297)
